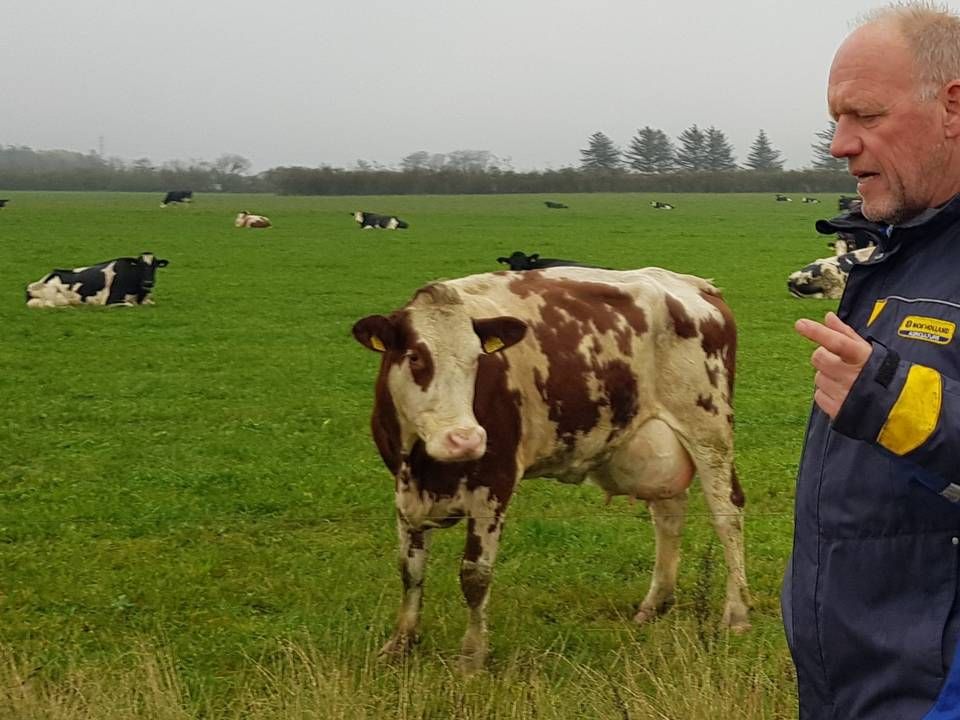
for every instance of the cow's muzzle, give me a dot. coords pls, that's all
(460, 444)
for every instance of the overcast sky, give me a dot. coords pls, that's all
(310, 82)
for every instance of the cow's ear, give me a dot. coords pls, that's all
(375, 332)
(534, 257)
(503, 260)
(162, 263)
(498, 333)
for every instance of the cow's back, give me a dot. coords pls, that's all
(605, 352)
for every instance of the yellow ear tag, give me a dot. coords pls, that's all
(377, 344)
(492, 344)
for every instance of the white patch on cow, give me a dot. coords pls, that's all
(147, 258)
(392, 223)
(358, 216)
(129, 299)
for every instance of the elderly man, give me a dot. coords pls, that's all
(870, 598)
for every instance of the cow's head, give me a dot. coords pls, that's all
(241, 216)
(358, 216)
(519, 260)
(826, 277)
(431, 350)
(147, 265)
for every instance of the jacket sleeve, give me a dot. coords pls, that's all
(911, 411)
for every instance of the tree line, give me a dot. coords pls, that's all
(696, 150)
(701, 161)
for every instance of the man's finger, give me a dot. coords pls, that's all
(833, 389)
(826, 403)
(833, 322)
(849, 350)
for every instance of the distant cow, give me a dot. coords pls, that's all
(852, 230)
(555, 205)
(521, 261)
(621, 378)
(810, 200)
(780, 197)
(368, 221)
(826, 277)
(661, 205)
(3, 202)
(848, 202)
(124, 281)
(245, 219)
(177, 196)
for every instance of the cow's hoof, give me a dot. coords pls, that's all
(472, 663)
(646, 613)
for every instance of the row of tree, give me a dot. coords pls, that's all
(651, 151)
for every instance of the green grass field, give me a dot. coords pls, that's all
(194, 521)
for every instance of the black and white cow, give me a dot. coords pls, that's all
(177, 196)
(852, 230)
(656, 204)
(555, 205)
(3, 202)
(123, 281)
(848, 202)
(809, 200)
(522, 261)
(780, 197)
(368, 220)
(826, 277)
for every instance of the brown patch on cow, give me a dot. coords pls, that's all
(707, 404)
(736, 491)
(719, 338)
(473, 547)
(571, 312)
(712, 374)
(619, 385)
(682, 324)
(384, 422)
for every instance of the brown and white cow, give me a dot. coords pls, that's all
(624, 378)
(245, 219)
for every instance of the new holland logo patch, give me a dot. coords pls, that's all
(927, 329)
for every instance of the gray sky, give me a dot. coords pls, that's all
(310, 82)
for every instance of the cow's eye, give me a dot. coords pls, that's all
(414, 359)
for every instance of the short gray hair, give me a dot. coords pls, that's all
(932, 32)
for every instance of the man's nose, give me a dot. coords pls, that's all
(846, 141)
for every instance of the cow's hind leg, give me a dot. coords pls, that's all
(725, 501)
(476, 572)
(668, 516)
(412, 561)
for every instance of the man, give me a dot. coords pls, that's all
(870, 598)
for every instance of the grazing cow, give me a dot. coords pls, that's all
(124, 281)
(3, 202)
(826, 277)
(177, 196)
(521, 261)
(780, 197)
(809, 200)
(661, 205)
(370, 221)
(555, 205)
(621, 377)
(245, 219)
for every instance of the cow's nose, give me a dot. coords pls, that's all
(467, 442)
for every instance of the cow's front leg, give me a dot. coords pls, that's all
(476, 572)
(668, 516)
(412, 561)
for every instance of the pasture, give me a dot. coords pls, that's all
(194, 521)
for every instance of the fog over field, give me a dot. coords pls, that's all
(295, 82)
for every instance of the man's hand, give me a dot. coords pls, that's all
(838, 360)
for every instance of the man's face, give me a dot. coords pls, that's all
(893, 141)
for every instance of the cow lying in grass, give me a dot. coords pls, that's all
(372, 221)
(123, 281)
(826, 277)
(624, 378)
(522, 261)
(246, 220)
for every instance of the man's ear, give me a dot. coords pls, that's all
(500, 332)
(375, 332)
(951, 104)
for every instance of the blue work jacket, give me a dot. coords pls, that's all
(870, 596)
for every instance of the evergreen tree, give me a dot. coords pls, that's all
(719, 151)
(762, 155)
(692, 153)
(650, 151)
(822, 159)
(601, 154)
